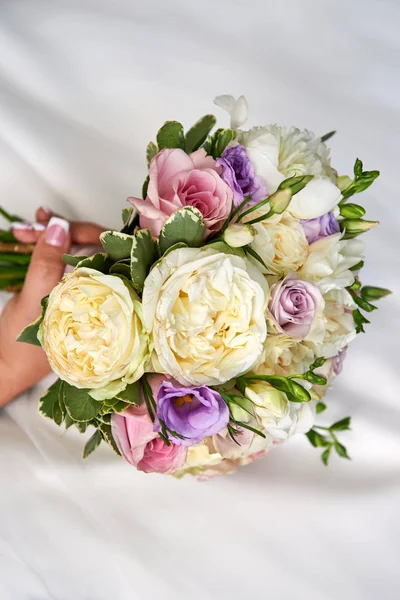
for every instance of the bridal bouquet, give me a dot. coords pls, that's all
(209, 328)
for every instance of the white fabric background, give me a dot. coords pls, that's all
(84, 86)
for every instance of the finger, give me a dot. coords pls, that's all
(43, 214)
(81, 233)
(46, 267)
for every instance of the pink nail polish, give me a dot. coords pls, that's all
(46, 210)
(56, 232)
(38, 227)
(22, 225)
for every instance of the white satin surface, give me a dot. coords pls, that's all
(85, 84)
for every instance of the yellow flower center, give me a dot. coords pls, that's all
(182, 400)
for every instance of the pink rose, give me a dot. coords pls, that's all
(293, 305)
(227, 448)
(133, 433)
(178, 180)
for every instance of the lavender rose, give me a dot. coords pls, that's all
(321, 227)
(293, 305)
(239, 174)
(192, 412)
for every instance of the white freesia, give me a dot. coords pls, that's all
(278, 153)
(206, 312)
(281, 243)
(237, 109)
(330, 260)
(93, 334)
(278, 417)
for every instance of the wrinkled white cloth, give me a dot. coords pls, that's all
(85, 84)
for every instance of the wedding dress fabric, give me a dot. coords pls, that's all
(85, 84)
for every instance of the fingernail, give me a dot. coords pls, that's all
(22, 225)
(38, 226)
(56, 232)
(46, 210)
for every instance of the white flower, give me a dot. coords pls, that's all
(278, 153)
(284, 356)
(278, 417)
(237, 235)
(206, 312)
(329, 262)
(236, 108)
(281, 243)
(92, 332)
(340, 328)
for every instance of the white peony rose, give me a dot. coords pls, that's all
(283, 355)
(281, 242)
(206, 312)
(340, 328)
(278, 153)
(278, 417)
(93, 334)
(329, 262)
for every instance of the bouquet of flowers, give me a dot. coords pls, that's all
(209, 328)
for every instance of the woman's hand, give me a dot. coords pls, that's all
(23, 365)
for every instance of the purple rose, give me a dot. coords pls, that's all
(193, 412)
(321, 227)
(338, 361)
(239, 174)
(293, 305)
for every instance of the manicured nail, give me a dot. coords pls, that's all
(46, 210)
(22, 225)
(56, 232)
(38, 226)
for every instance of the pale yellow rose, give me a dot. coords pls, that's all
(93, 334)
(281, 243)
(206, 313)
(283, 355)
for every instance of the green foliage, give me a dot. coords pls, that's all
(326, 438)
(327, 136)
(71, 260)
(122, 267)
(310, 376)
(105, 429)
(223, 137)
(99, 262)
(92, 443)
(197, 134)
(296, 183)
(131, 394)
(79, 405)
(117, 245)
(320, 407)
(7, 237)
(185, 225)
(171, 135)
(151, 152)
(29, 335)
(8, 217)
(143, 255)
(220, 246)
(50, 399)
(369, 292)
(145, 187)
(359, 321)
(352, 211)
(293, 390)
(362, 180)
(14, 258)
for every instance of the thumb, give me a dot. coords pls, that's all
(46, 267)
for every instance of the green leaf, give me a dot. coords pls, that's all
(117, 245)
(325, 455)
(352, 211)
(151, 152)
(81, 426)
(316, 439)
(362, 180)
(359, 321)
(80, 406)
(171, 135)
(92, 443)
(29, 335)
(197, 134)
(224, 137)
(364, 304)
(7, 237)
(298, 393)
(126, 215)
(57, 413)
(320, 407)
(107, 436)
(318, 362)
(369, 292)
(296, 183)
(253, 253)
(185, 225)
(342, 425)
(315, 379)
(15, 258)
(8, 217)
(99, 262)
(327, 136)
(225, 249)
(71, 260)
(358, 168)
(358, 266)
(122, 267)
(341, 450)
(49, 399)
(143, 255)
(131, 394)
(145, 187)
(68, 421)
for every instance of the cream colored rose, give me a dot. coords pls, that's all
(283, 355)
(281, 243)
(93, 334)
(206, 312)
(340, 328)
(278, 417)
